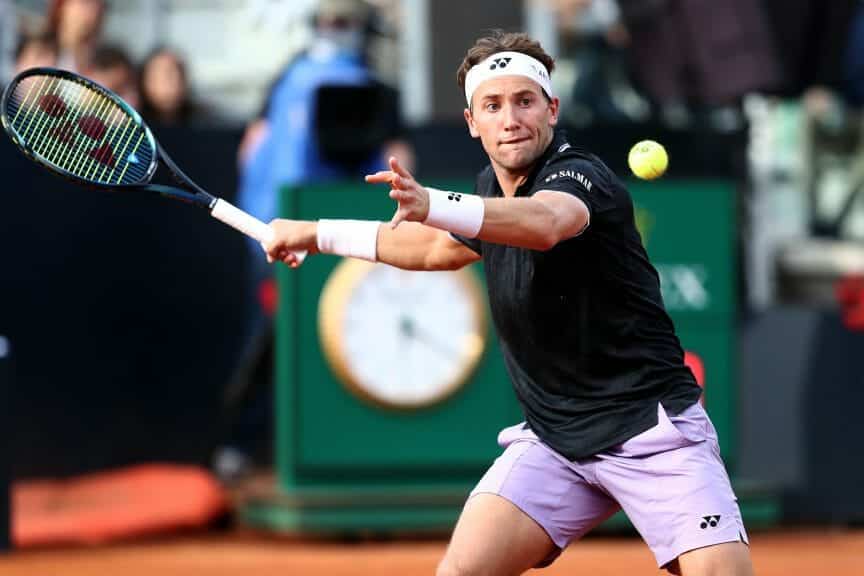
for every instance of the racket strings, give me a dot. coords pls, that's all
(60, 135)
(75, 157)
(60, 131)
(79, 130)
(54, 127)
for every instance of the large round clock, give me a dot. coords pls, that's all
(402, 339)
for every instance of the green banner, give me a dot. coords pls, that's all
(688, 229)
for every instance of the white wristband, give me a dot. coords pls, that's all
(353, 238)
(455, 212)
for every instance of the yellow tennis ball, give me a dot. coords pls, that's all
(648, 159)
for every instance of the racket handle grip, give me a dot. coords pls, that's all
(246, 223)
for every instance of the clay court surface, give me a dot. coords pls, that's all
(787, 553)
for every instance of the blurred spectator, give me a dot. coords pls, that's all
(112, 68)
(700, 54)
(596, 38)
(35, 51)
(293, 141)
(327, 118)
(805, 142)
(165, 92)
(9, 41)
(811, 36)
(76, 27)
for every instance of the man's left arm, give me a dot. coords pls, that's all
(538, 222)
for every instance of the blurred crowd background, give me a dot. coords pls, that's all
(788, 74)
(765, 95)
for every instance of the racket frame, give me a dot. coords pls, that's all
(187, 190)
(193, 193)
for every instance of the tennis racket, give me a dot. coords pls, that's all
(89, 135)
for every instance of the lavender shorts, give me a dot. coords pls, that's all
(669, 480)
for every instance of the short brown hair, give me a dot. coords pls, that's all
(500, 41)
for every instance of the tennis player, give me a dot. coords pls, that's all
(612, 417)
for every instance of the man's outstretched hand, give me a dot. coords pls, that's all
(412, 198)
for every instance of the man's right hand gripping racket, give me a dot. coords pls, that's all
(86, 133)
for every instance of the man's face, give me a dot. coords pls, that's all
(514, 121)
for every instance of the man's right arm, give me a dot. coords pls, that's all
(413, 246)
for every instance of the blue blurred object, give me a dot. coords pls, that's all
(327, 118)
(289, 153)
(854, 72)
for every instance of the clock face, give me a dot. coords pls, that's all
(402, 339)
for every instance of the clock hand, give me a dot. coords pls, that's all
(406, 326)
(411, 329)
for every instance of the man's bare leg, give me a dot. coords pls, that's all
(494, 537)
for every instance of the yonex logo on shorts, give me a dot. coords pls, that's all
(709, 521)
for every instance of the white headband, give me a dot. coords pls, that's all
(507, 64)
